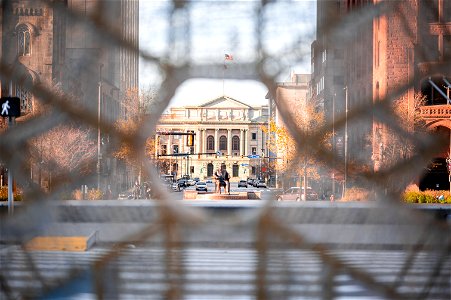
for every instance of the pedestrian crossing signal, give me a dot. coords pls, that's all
(10, 107)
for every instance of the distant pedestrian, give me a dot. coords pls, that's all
(108, 194)
(218, 180)
(332, 198)
(226, 177)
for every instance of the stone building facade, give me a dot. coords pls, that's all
(227, 132)
(412, 41)
(288, 94)
(55, 44)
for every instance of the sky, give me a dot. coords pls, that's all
(217, 28)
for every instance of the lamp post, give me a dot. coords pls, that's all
(11, 121)
(346, 141)
(99, 100)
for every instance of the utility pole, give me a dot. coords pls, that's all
(99, 100)
(333, 144)
(10, 170)
(346, 141)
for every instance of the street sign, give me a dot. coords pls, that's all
(245, 165)
(253, 156)
(10, 107)
(219, 153)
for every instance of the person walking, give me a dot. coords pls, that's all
(226, 177)
(218, 179)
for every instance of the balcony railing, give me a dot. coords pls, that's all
(435, 111)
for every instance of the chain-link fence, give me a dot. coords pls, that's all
(380, 248)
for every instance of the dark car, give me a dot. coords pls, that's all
(182, 183)
(242, 183)
(296, 194)
(201, 186)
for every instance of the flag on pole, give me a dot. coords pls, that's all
(228, 57)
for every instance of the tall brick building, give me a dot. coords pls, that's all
(409, 41)
(55, 44)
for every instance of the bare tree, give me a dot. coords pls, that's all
(62, 150)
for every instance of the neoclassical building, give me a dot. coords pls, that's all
(226, 132)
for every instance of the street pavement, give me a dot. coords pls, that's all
(218, 273)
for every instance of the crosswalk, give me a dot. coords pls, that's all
(220, 273)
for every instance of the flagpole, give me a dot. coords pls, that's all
(223, 74)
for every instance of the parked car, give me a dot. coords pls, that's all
(128, 194)
(261, 183)
(242, 183)
(182, 183)
(250, 180)
(201, 186)
(190, 182)
(209, 181)
(296, 193)
(196, 179)
(176, 187)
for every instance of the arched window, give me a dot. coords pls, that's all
(235, 170)
(223, 143)
(235, 143)
(25, 99)
(209, 170)
(23, 40)
(210, 143)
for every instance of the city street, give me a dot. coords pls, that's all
(233, 189)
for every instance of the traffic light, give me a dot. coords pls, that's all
(242, 156)
(227, 156)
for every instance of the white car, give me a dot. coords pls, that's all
(201, 186)
(261, 183)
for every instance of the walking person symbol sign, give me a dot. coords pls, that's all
(5, 107)
(10, 107)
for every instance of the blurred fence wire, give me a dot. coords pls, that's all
(173, 251)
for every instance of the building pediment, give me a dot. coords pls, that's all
(224, 102)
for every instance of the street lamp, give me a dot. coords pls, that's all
(99, 100)
(346, 141)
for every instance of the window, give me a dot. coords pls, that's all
(210, 143)
(254, 136)
(164, 149)
(447, 47)
(175, 148)
(429, 8)
(223, 142)
(209, 170)
(23, 40)
(338, 80)
(235, 169)
(25, 99)
(338, 53)
(254, 150)
(235, 143)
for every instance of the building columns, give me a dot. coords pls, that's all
(242, 142)
(216, 140)
(246, 141)
(204, 140)
(198, 140)
(229, 142)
